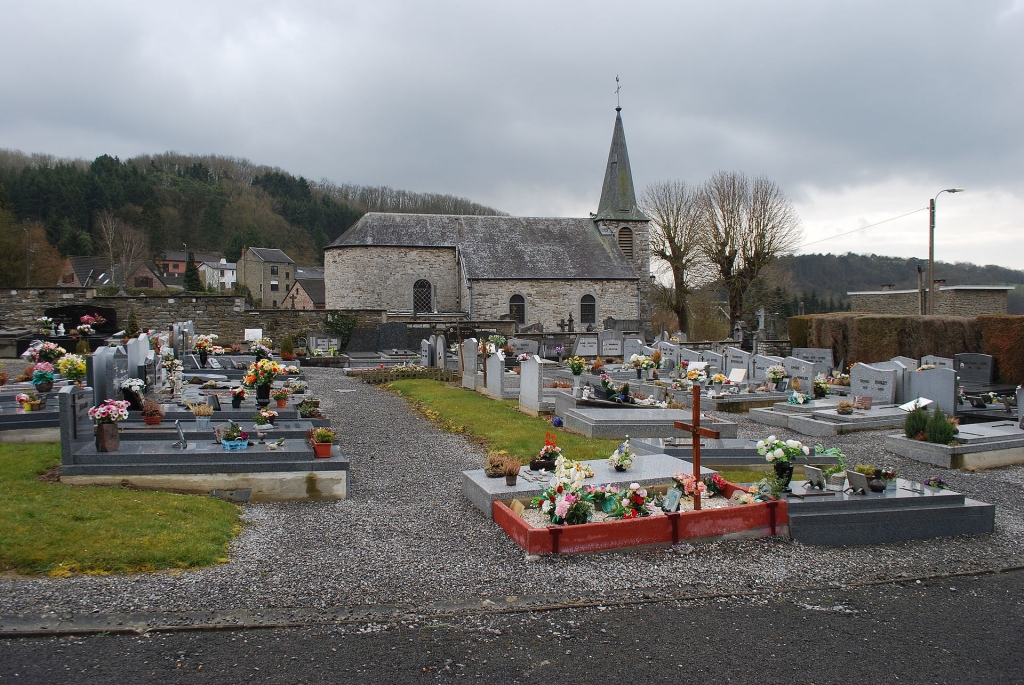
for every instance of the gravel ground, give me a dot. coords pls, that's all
(408, 537)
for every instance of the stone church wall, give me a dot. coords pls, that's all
(550, 301)
(382, 277)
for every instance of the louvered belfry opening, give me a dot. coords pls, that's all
(626, 242)
(421, 296)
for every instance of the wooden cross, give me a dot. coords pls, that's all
(696, 432)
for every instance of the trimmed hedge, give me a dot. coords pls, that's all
(798, 327)
(1002, 336)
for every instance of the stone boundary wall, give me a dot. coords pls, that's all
(224, 315)
(953, 302)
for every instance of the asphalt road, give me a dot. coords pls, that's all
(963, 630)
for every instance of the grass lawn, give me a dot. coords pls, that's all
(58, 530)
(496, 424)
(500, 427)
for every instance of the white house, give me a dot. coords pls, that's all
(220, 275)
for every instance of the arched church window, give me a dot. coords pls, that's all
(422, 296)
(626, 242)
(517, 308)
(588, 309)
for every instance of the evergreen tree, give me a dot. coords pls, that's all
(192, 281)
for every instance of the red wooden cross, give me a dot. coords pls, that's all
(696, 432)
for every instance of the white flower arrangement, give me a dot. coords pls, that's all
(622, 456)
(775, 450)
(134, 384)
(775, 373)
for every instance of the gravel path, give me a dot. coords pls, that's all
(408, 537)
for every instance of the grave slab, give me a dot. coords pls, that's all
(616, 424)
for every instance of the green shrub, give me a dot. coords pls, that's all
(939, 430)
(915, 423)
(287, 346)
(83, 347)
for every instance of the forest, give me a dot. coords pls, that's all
(51, 208)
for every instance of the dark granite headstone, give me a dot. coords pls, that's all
(364, 340)
(974, 368)
(393, 336)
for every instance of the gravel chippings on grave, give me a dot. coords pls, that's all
(407, 536)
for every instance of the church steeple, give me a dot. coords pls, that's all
(618, 199)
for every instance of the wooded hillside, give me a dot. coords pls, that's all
(211, 203)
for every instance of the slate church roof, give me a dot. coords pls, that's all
(501, 247)
(618, 199)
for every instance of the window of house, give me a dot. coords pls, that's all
(174, 266)
(626, 242)
(274, 285)
(517, 308)
(275, 303)
(588, 309)
(422, 296)
(273, 271)
(69, 278)
(143, 282)
(222, 273)
(287, 274)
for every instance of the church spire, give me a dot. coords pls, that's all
(618, 199)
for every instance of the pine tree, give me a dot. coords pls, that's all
(192, 281)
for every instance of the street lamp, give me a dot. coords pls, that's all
(931, 246)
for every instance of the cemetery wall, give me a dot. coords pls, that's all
(550, 301)
(1003, 338)
(948, 302)
(224, 315)
(380, 277)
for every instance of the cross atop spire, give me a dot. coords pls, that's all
(618, 199)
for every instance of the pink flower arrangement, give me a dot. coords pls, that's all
(690, 485)
(111, 411)
(45, 367)
(93, 320)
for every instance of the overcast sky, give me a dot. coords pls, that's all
(861, 111)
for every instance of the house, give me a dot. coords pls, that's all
(306, 293)
(95, 272)
(220, 275)
(174, 262)
(531, 270)
(267, 274)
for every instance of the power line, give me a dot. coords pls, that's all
(815, 242)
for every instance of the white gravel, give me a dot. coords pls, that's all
(408, 537)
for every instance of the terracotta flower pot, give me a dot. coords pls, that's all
(108, 438)
(281, 404)
(153, 420)
(322, 450)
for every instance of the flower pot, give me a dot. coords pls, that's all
(37, 405)
(322, 450)
(153, 420)
(493, 473)
(511, 480)
(236, 401)
(202, 422)
(837, 479)
(234, 445)
(45, 386)
(538, 464)
(203, 356)
(876, 485)
(27, 406)
(108, 439)
(784, 472)
(620, 468)
(262, 395)
(282, 404)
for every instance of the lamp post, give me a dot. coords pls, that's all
(931, 246)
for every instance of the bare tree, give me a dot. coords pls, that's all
(675, 211)
(746, 225)
(123, 245)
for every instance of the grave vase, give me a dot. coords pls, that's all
(784, 472)
(236, 401)
(133, 399)
(108, 438)
(262, 395)
(203, 356)
(45, 386)
(639, 374)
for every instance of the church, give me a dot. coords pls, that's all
(533, 270)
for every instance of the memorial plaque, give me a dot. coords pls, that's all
(253, 334)
(586, 346)
(938, 362)
(760, 364)
(974, 368)
(610, 343)
(736, 358)
(819, 356)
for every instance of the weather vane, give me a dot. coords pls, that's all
(618, 105)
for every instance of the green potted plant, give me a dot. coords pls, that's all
(264, 417)
(322, 439)
(234, 438)
(281, 397)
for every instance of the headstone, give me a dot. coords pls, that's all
(878, 384)
(938, 385)
(669, 354)
(736, 358)
(908, 362)
(938, 362)
(102, 375)
(495, 373)
(469, 360)
(393, 336)
(737, 375)
(714, 360)
(802, 372)
(586, 346)
(531, 384)
(524, 346)
(75, 424)
(902, 379)
(138, 350)
(253, 334)
(364, 340)
(426, 353)
(440, 351)
(760, 364)
(791, 363)
(819, 356)
(631, 346)
(688, 355)
(610, 344)
(974, 368)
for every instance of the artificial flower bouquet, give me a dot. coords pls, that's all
(577, 365)
(622, 457)
(84, 329)
(111, 411)
(263, 372)
(642, 362)
(238, 392)
(779, 451)
(696, 375)
(719, 378)
(281, 394)
(72, 366)
(264, 416)
(491, 345)
(136, 385)
(775, 373)
(633, 502)
(261, 349)
(550, 450)
(49, 352)
(204, 343)
(26, 398)
(42, 373)
(92, 320)
(45, 325)
(689, 485)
